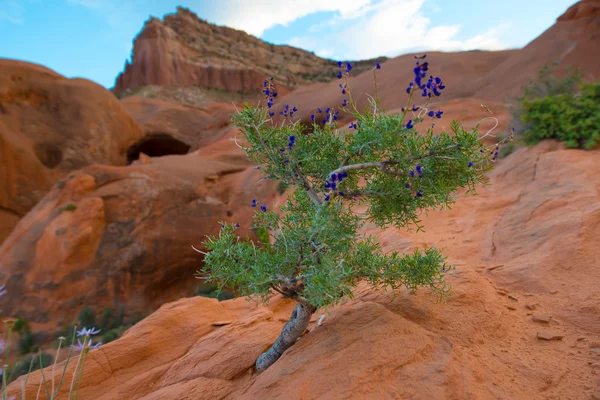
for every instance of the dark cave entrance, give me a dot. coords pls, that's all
(156, 145)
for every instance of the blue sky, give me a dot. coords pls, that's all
(93, 38)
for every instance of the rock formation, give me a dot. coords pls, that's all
(50, 126)
(183, 51)
(538, 221)
(121, 237)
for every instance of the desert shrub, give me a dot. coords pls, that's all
(281, 187)
(87, 316)
(546, 83)
(31, 362)
(113, 334)
(507, 150)
(25, 365)
(558, 106)
(570, 118)
(68, 207)
(381, 163)
(214, 292)
(549, 83)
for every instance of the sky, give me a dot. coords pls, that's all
(93, 38)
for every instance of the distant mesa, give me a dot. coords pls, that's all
(183, 50)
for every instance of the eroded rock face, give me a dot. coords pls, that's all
(50, 126)
(195, 127)
(121, 237)
(183, 51)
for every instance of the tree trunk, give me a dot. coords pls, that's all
(292, 330)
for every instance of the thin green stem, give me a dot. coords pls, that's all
(66, 362)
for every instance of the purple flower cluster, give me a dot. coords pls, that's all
(291, 142)
(353, 126)
(330, 115)
(270, 93)
(340, 73)
(287, 112)
(419, 171)
(495, 152)
(334, 179)
(433, 86)
(262, 208)
(436, 114)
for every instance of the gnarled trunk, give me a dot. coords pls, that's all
(292, 330)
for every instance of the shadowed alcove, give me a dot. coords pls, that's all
(157, 145)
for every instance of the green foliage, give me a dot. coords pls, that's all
(559, 106)
(548, 83)
(68, 207)
(113, 334)
(281, 187)
(262, 233)
(213, 292)
(22, 365)
(26, 337)
(87, 317)
(507, 150)
(571, 118)
(385, 173)
(110, 320)
(26, 342)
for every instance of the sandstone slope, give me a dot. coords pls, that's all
(533, 273)
(573, 40)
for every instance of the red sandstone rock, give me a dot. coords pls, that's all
(194, 127)
(50, 126)
(183, 50)
(122, 236)
(572, 40)
(546, 335)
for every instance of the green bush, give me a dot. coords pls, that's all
(87, 316)
(22, 365)
(281, 187)
(507, 150)
(383, 170)
(570, 118)
(213, 292)
(26, 342)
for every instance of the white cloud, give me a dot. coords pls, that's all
(261, 15)
(394, 27)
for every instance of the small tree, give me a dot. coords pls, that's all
(379, 170)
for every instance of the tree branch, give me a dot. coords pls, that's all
(383, 164)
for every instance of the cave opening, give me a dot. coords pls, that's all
(157, 145)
